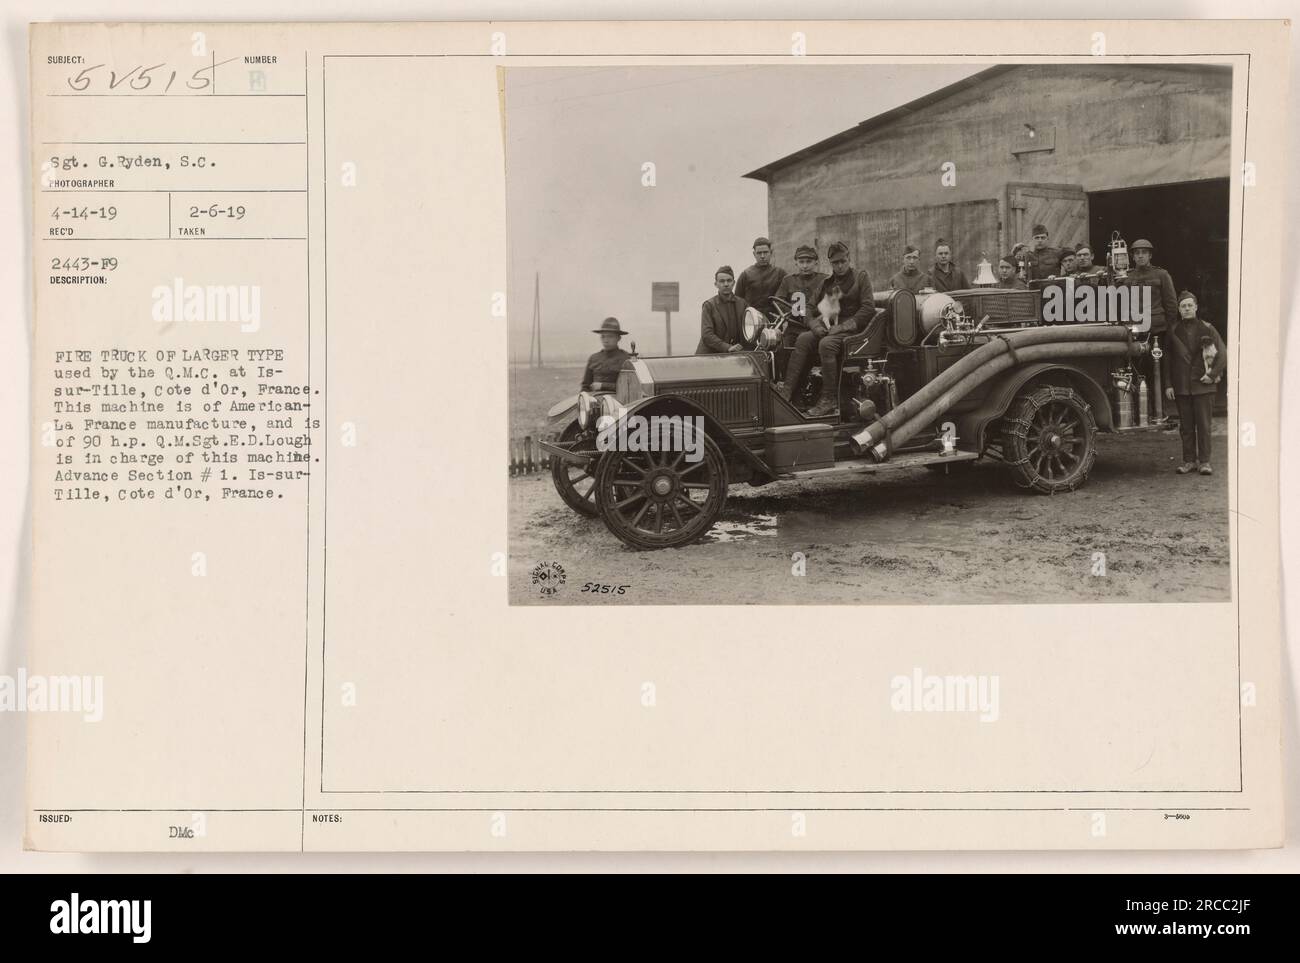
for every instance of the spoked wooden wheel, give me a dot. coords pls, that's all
(1048, 439)
(576, 483)
(660, 499)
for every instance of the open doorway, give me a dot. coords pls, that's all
(1187, 223)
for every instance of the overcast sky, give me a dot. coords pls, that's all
(576, 140)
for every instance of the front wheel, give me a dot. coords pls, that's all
(1049, 439)
(574, 482)
(659, 499)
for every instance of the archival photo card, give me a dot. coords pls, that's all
(889, 414)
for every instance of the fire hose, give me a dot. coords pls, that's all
(1004, 351)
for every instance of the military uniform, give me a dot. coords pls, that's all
(810, 287)
(720, 324)
(757, 284)
(1164, 298)
(951, 280)
(602, 369)
(857, 308)
(1014, 284)
(1183, 365)
(1164, 309)
(913, 282)
(1043, 264)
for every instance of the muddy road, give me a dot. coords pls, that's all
(911, 536)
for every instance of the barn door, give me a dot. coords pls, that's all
(1061, 208)
(876, 238)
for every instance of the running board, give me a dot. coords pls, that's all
(865, 466)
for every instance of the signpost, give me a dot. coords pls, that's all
(664, 297)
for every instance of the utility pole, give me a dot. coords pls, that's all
(535, 338)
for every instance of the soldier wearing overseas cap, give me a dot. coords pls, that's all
(758, 282)
(601, 373)
(1193, 364)
(802, 289)
(857, 306)
(1164, 302)
(1042, 260)
(722, 317)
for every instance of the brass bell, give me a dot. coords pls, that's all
(984, 273)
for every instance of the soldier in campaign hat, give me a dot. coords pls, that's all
(601, 373)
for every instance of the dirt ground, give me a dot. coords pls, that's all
(912, 536)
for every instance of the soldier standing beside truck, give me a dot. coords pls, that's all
(1194, 361)
(1164, 303)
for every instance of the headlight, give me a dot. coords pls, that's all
(610, 407)
(587, 406)
(753, 323)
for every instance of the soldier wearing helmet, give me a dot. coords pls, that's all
(1164, 296)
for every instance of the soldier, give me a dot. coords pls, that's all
(857, 306)
(946, 275)
(801, 289)
(1164, 303)
(722, 317)
(601, 373)
(1067, 267)
(1083, 266)
(762, 279)
(1007, 277)
(1042, 260)
(911, 277)
(1193, 362)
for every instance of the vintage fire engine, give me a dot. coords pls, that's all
(935, 380)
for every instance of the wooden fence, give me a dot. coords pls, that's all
(526, 456)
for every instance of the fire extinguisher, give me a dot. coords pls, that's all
(1142, 399)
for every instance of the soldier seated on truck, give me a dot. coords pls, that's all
(850, 304)
(1007, 277)
(911, 277)
(601, 373)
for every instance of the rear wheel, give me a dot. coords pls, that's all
(659, 499)
(575, 483)
(1049, 439)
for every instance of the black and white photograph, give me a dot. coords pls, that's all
(869, 334)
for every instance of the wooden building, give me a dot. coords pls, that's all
(1085, 149)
